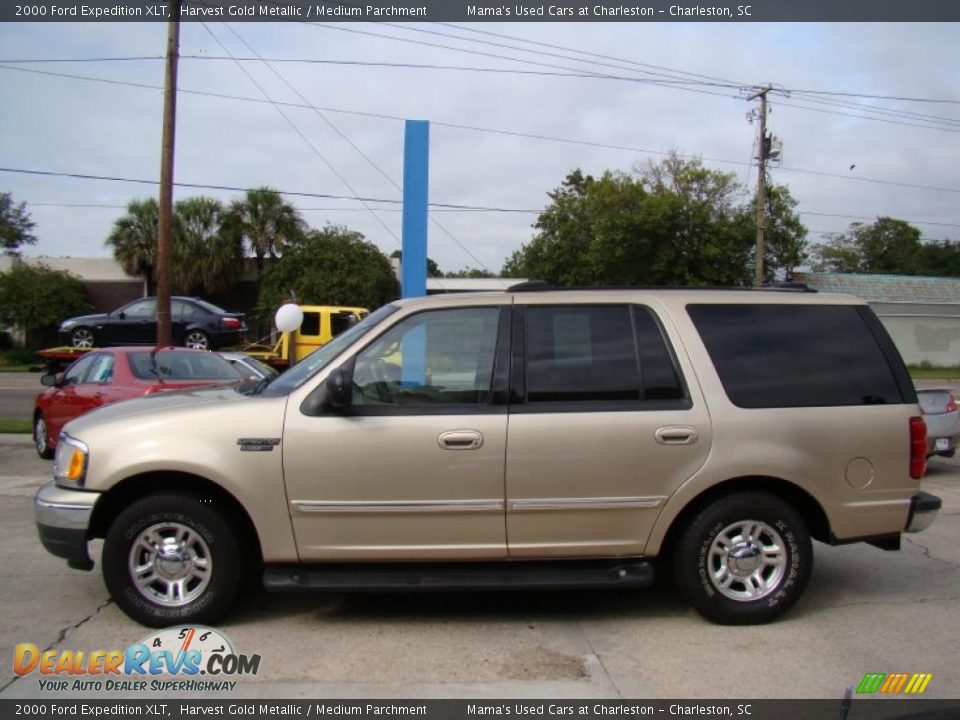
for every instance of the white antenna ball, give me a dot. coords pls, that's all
(288, 317)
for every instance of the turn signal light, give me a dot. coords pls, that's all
(75, 468)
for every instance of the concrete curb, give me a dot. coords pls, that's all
(16, 439)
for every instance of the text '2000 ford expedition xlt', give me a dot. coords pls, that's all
(526, 439)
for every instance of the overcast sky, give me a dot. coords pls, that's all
(71, 125)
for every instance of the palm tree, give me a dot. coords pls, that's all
(205, 257)
(266, 222)
(134, 239)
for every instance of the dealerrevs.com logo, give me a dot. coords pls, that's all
(203, 658)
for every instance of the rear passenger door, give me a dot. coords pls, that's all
(603, 428)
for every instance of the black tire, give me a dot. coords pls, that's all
(197, 340)
(212, 532)
(731, 586)
(82, 338)
(41, 438)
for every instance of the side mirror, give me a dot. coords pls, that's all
(122, 315)
(338, 393)
(49, 380)
(335, 394)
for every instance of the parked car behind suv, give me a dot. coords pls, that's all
(524, 439)
(101, 377)
(194, 323)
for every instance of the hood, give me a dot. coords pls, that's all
(170, 401)
(84, 320)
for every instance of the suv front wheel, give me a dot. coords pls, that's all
(744, 558)
(170, 558)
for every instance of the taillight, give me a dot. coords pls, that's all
(951, 404)
(918, 447)
(230, 322)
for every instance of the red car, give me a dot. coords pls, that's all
(105, 376)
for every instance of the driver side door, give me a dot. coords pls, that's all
(413, 469)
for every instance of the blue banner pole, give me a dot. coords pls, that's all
(416, 158)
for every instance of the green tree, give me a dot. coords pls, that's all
(433, 270)
(134, 239)
(265, 222)
(332, 266)
(16, 227)
(886, 246)
(941, 257)
(672, 223)
(205, 258)
(470, 272)
(34, 296)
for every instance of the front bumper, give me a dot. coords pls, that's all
(63, 519)
(923, 509)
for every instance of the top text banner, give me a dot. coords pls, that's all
(487, 11)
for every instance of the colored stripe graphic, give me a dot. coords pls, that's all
(871, 682)
(893, 683)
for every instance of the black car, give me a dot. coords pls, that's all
(195, 323)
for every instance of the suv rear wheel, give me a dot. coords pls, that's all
(170, 558)
(744, 559)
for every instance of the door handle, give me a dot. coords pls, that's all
(460, 440)
(677, 435)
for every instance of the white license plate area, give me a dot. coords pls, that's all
(943, 443)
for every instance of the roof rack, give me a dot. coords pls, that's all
(544, 286)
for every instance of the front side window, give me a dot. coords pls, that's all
(774, 356)
(76, 372)
(141, 309)
(433, 357)
(101, 371)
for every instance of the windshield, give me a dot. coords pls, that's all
(318, 359)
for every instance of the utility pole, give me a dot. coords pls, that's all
(166, 176)
(761, 200)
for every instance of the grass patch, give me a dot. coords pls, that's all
(929, 372)
(18, 360)
(15, 425)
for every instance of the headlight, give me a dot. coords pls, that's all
(70, 463)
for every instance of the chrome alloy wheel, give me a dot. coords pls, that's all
(197, 341)
(81, 338)
(170, 564)
(40, 433)
(747, 560)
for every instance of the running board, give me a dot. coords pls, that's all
(461, 576)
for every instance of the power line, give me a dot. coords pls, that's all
(234, 188)
(863, 217)
(474, 128)
(354, 146)
(303, 137)
(866, 112)
(509, 58)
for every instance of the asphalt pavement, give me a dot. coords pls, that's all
(865, 610)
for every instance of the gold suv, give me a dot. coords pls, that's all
(533, 438)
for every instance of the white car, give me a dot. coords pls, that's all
(249, 367)
(943, 420)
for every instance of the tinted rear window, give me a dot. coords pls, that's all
(771, 356)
